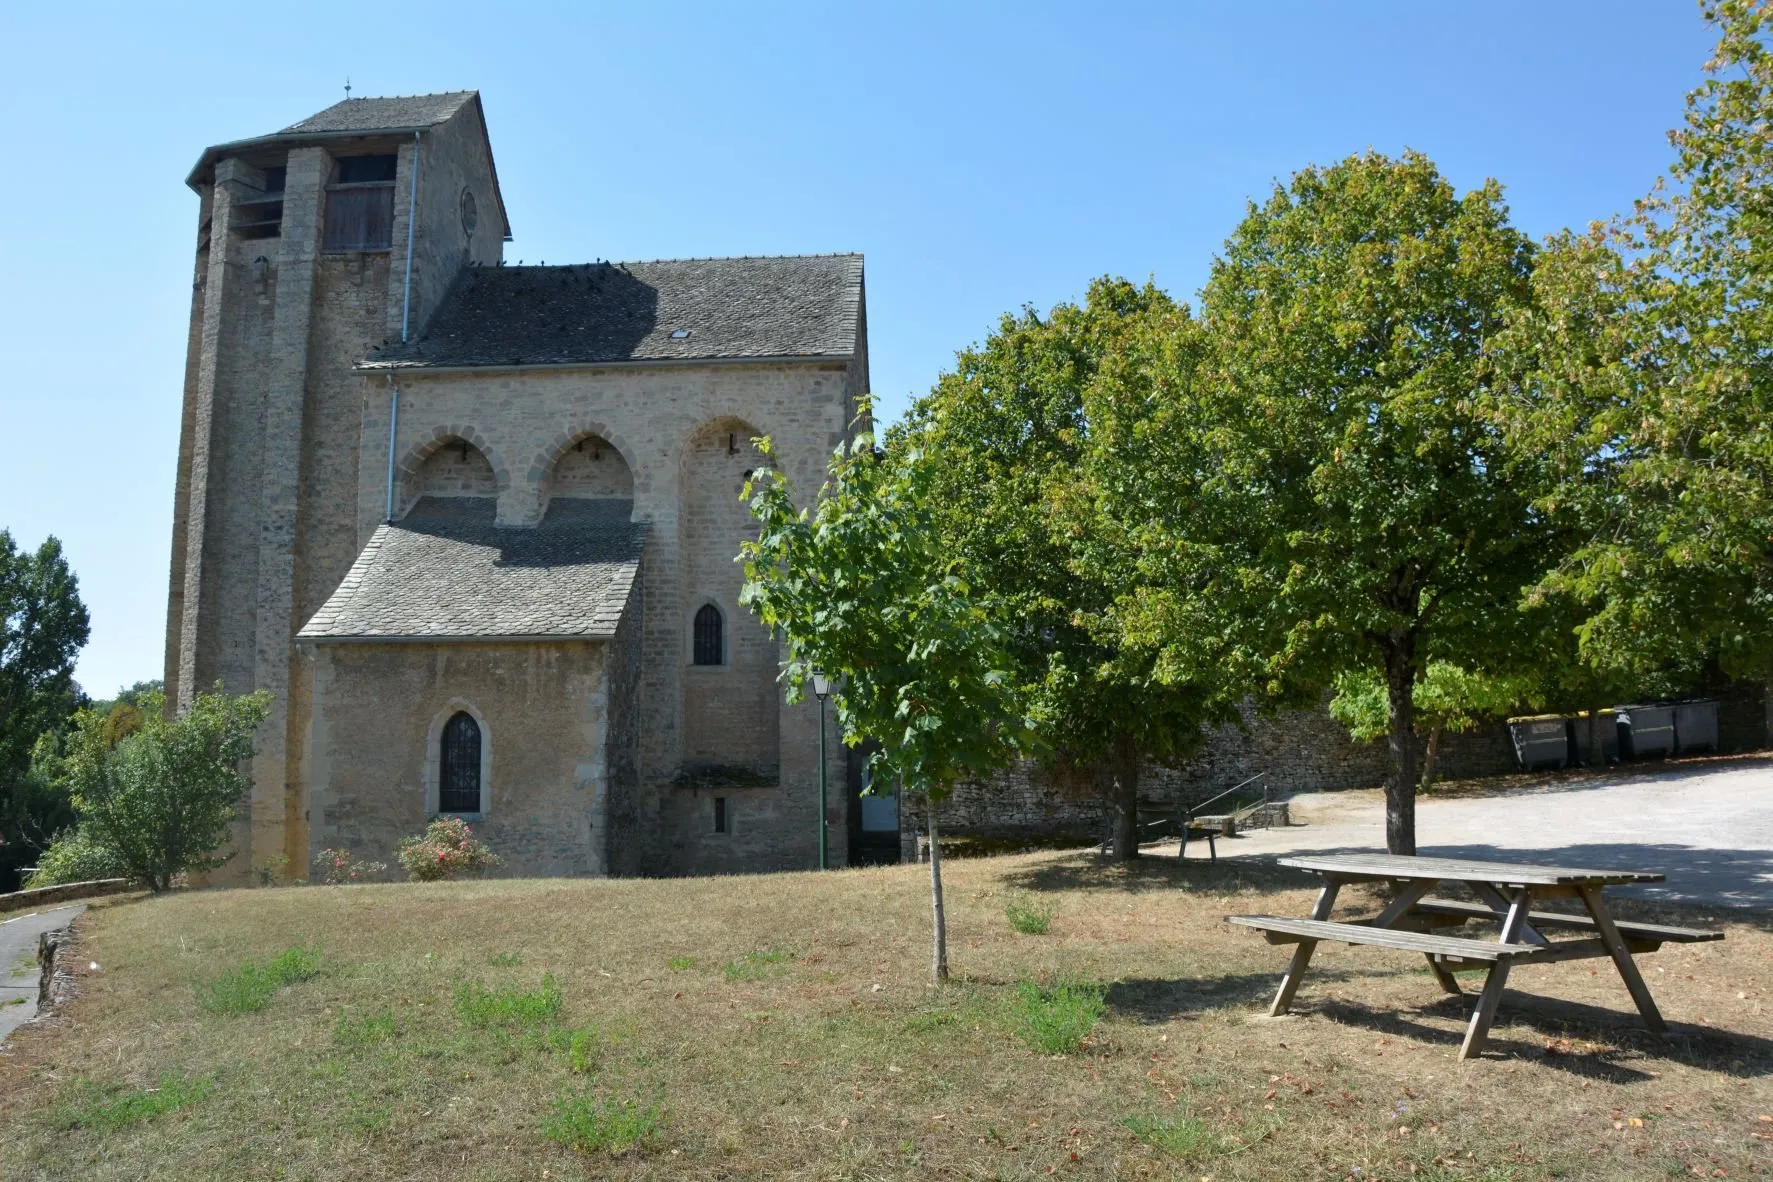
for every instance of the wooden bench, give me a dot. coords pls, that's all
(1282, 930)
(1413, 921)
(1457, 911)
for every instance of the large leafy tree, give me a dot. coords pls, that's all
(1644, 375)
(1351, 503)
(43, 625)
(860, 588)
(1022, 482)
(161, 800)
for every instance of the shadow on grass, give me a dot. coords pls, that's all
(1090, 871)
(1154, 1000)
(1620, 1032)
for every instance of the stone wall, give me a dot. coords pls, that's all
(544, 712)
(1300, 750)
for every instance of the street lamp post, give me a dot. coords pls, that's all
(821, 689)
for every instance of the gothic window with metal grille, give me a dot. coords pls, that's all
(458, 787)
(710, 641)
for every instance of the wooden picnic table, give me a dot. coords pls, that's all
(1504, 891)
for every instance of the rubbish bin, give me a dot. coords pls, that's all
(1607, 721)
(1540, 741)
(1696, 726)
(1646, 730)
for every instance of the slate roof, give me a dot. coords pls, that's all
(446, 572)
(792, 306)
(400, 113)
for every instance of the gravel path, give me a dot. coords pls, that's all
(1707, 825)
(18, 962)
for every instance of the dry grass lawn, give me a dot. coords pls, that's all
(780, 1026)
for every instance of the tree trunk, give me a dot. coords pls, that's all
(1400, 786)
(1126, 798)
(1429, 756)
(939, 946)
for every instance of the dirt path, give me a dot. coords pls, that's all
(1707, 825)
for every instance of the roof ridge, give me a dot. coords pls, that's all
(694, 258)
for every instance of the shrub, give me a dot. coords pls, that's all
(1055, 1019)
(334, 867)
(481, 1007)
(162, 799)
(109, 1109)
(448, 849)
(1029, 920)
(75, 856)
(587, 1122)
(249, 987)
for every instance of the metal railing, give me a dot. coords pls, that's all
(1178, 820)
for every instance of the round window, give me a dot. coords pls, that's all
(470, 215)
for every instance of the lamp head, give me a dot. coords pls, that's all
(821, 685)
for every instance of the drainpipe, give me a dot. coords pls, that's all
(412, 211)
(393, 424)
(412, 221)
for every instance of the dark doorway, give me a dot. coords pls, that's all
(874, 818)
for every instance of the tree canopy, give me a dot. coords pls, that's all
(1346, 500)
(43, 625)
(1021, 496)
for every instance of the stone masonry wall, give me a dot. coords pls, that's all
(544, 711)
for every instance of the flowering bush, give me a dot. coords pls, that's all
(447, 850)
(333, 867)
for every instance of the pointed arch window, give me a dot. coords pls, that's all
(710, 636)
(458, 785)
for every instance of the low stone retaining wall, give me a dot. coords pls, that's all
(65, 893)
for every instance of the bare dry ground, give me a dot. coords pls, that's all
(781, 1026)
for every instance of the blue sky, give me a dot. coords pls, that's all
(982, 156)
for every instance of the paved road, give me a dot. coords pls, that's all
(18, 961)
(1708, 825)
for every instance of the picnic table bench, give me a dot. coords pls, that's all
(1414, 921)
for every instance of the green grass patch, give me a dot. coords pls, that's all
(579, 1046)
(1055, 1019)
(13, 1001)
(504, 960)
(1029, 919)
(481, 1007)
(1182, 1135)
(591, 1123)
(372, 1031)
(931, 1020)
(678, 964)
(107, 1109)
(249, 987)
(755, 966)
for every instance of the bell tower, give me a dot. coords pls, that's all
(315, 244)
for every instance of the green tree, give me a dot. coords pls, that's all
(162, 798)
(1447, 699)
(1643, 373)
(1022, 493)
(860, 588)
(1354, 504)
(43, 625)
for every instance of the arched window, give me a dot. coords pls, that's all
(458, 784)
(710, 643)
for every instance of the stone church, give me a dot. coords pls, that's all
(474, 525)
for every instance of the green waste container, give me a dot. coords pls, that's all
(1540, 741)
(1696, 726)
(1607, 721)
(1646, 730)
